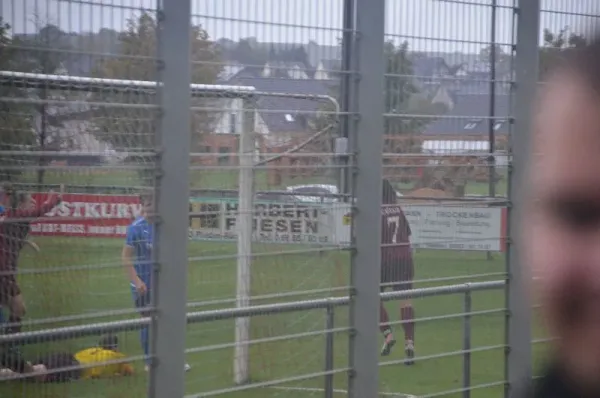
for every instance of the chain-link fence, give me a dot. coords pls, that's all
(447, 123)
(229, 238)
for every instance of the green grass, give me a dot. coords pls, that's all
(66, 279)
(199, 179)
(212, 179)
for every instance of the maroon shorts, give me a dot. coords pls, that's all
(397, 274)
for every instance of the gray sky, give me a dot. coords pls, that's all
(431, 25)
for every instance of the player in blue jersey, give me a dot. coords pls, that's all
(138, 263)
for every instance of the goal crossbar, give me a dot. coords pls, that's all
(247, 164)
(80, 83)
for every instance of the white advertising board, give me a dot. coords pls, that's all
(433, 227)
(442, 227)
(273, 222)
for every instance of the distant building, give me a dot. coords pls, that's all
(328, 69)
(286, 70)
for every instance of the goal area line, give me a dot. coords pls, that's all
(338, 391)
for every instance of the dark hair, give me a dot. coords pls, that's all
(22, 197)
(9, 190)
(109, 342)
(12, 359)
(146, 198)
(388, 193)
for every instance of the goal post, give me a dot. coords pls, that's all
(241, 100)
(241, 104)
(244, 223)
(246, 213)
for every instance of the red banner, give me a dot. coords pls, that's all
(88, 216)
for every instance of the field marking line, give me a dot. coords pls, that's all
(338, 391)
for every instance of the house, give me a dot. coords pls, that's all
(447, 90)
(328, 69)
(467, 125)
(317, 52)
(229, 71)
(279, 120)
(431, 71)
(286, 70)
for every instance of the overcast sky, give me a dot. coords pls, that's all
(432, 25)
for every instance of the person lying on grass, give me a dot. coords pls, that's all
(101, 361)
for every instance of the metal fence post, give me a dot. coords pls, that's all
(329, 342)
(467, 345)
(346, 86)
(169, 295)
(367, 148)
(518, 322)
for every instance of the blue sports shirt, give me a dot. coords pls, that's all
(140, 236)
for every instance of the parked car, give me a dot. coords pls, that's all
(314, 193)
(274, 196)
(317, 193)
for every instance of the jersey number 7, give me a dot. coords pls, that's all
(393, 222)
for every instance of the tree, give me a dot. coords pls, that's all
(502, 59)
(403, 98)
(131, 129)
(248, 53)
(15, 126)
(45, 52)
(555, 45)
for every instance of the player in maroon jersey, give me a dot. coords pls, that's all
(12, 227)
(397, 269)
(20, 237)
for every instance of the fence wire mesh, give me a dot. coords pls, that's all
(97, 138)
(288, 125)
(272, 193)
(447, 124)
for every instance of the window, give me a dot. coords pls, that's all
(471, 125)
(498, 125)
(232, 123)
(223, 155)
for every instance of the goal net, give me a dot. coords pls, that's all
(266, 218)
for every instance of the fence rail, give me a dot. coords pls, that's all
(328, 304)
(231, 313)
(274, 103)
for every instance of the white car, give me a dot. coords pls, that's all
(316, 193)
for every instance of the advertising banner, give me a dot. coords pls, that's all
(88, 215)
(445, 227)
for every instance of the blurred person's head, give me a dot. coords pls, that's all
(8, 196)
(562, 232)
(388, 193)
(147, 202)
(25, 200)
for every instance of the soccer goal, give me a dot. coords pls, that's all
(81, 94)
(86, 95)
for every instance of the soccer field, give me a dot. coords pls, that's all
(74, 276)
